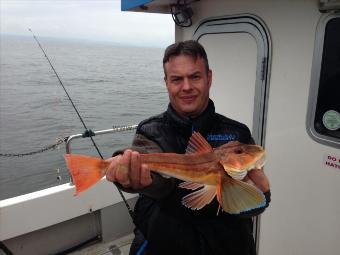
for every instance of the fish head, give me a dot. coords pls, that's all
(239, 157)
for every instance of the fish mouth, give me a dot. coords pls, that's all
(258, 164)
(239, 173)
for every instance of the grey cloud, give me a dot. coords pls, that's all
(91, 19)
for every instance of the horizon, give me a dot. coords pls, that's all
(80, 40)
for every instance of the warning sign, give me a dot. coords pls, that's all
(332, 161)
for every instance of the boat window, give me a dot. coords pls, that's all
(324, 105)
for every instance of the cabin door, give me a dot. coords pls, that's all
(238, 50)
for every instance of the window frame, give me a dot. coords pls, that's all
(315, 83)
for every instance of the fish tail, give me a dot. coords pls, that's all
(237, 196)
(85, 171)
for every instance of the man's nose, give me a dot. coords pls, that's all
(187, 84)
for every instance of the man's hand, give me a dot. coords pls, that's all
(127, 170)
(259, 179)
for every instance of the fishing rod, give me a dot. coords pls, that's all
(88, 133)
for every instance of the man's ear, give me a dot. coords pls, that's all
(165, 81)
(209, 78)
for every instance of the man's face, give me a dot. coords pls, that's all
(188, 84)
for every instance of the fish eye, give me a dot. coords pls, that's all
(238, 151)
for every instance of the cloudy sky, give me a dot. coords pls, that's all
(85, 19)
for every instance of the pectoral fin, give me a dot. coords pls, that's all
(237, 196)
(198, 199)
(190, 185)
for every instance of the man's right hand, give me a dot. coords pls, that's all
(127, 170)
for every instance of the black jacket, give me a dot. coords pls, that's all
(170, 227)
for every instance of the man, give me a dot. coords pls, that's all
(160, 218)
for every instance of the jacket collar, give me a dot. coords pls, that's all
(202, 123)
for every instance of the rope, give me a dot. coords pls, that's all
(45, 148)
(87, 133)
(124, 128)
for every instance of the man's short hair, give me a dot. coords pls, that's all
(190, 48)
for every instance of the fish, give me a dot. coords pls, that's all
(208, 172)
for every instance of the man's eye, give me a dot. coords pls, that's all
(196, 77)
(176, 80)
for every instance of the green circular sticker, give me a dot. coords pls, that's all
(331, 120)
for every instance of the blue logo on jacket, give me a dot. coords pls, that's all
(222, 137)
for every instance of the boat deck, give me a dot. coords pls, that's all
(116, 247)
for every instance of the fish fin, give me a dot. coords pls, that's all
(219, 191)
(85, 171)
(237, 196)
(198, 199)
(218, 210)
(190, 185)
(198, 144)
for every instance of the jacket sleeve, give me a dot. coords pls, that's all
(161, 186)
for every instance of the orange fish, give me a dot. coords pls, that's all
(206, 170)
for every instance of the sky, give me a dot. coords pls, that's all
(99, 20)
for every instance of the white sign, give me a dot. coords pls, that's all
(332, 160)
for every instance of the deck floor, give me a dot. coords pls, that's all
(117, 247)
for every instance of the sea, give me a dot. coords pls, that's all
(111, 85)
